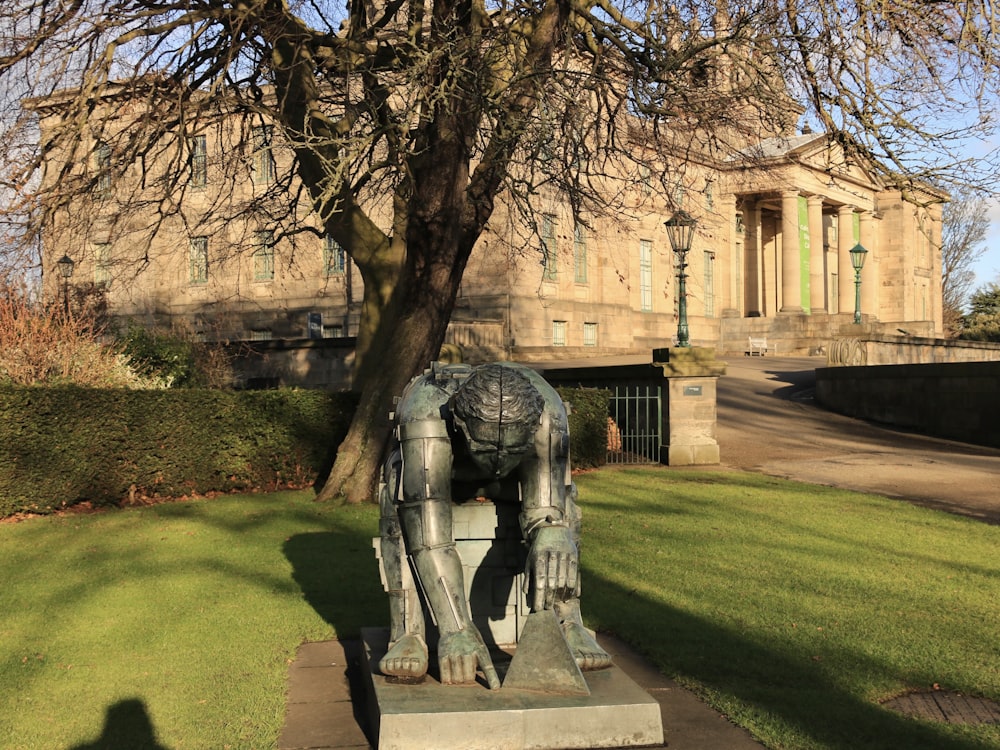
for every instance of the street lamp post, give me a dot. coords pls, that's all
(65, 265)
(680, 232)
(858, 255)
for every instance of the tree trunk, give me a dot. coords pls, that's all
(407, 339)
(441, 227)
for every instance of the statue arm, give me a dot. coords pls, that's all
(547, 520)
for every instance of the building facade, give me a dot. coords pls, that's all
(181, 238)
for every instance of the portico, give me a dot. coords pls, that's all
(796, 254)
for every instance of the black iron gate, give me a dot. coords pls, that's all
(635, 416)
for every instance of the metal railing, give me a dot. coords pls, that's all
(634, 421)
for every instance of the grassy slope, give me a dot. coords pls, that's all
(796, 608)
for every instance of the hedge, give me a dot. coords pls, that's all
(60, 446)
(588, 425)
(64, 445)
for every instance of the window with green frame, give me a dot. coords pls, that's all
(579, 253)
(558, 333)
(263, 157)
(646, 275)
(263, 256)
(102, 169)
(102, 263)
(334, 257)
(709, 294)
(549, 248)
(198, 260)
(198, 161)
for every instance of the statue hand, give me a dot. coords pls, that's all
(460, 653)
(552, 570)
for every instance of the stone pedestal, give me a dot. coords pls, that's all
(432, 716)
(690, 406)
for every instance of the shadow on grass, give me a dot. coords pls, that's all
(817, 711)
(339, 578)
(338, 574)
(127, 726)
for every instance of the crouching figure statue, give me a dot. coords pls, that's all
(462, 433)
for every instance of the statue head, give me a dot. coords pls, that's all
(497, 409)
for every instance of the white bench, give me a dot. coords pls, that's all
(756, 346)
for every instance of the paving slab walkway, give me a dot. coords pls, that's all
(326, 703)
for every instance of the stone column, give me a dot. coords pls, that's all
(753, 280)
(690, 405)
(845, 271)
(870, 273)
(791, 264)
(728, 261)
(817, 273)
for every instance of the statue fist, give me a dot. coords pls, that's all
(552, 570)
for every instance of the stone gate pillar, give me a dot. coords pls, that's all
(689, 408)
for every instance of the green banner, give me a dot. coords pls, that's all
(804, 254)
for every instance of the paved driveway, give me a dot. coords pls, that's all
(768, 422)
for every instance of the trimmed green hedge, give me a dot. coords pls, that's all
(588, 425)
(65, 445)
(60, 446)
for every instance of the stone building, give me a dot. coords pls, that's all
(770, 258)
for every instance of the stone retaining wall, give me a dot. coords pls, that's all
(958, 401)
(882, 349)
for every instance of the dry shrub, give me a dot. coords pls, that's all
(46, 345)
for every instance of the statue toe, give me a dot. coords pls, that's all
(587, 652)
(406, 658)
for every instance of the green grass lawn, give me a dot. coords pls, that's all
(184, 615)
(794, 609)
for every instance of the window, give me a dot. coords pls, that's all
(102, 263)
(558, 333)
(549, 248)
(679, 194)
(646, 275)
(263, 158)
(580, 254)
(646, 178)
(263, 257)
(198, 260)
(102, 169)
(334, 257)
(261, 334)
(198, 161)
(334, 331)
(590, 334)
(709, 284)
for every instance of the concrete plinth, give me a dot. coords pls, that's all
(431, 716)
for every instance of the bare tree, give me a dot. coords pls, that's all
(409, 121)
(963, 235)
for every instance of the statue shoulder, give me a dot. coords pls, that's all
(424, 396)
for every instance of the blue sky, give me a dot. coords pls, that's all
(988, 267)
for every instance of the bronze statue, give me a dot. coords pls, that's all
(464, 432)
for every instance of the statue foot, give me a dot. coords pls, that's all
(588, 654)
(406, 660)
